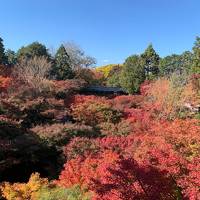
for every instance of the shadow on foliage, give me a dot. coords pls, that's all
(22, 153)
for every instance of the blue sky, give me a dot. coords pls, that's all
(109, 30)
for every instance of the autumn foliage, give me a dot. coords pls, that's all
(21, 191)
(136, 147)
(4, 83)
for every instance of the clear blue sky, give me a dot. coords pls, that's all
(109, 30)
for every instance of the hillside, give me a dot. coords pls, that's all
(57, 143)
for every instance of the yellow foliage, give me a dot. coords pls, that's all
(106, 69)
(24, 191)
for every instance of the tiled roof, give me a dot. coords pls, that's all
(104, 89)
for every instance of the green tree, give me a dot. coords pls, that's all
(114, 76)
(32, 50)
(11, 57)
(151, 62)
(186, 60)
(196, 56)
(61, 69)
(176, 63)
(2, 52)
(133, 74)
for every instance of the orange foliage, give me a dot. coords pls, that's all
(93, 111)
(22, 191)
(142, 154)
(82, 170)
(4, 83)
(168, 100)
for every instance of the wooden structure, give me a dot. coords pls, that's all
(103, 90)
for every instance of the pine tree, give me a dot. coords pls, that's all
(151, 62)
(2, 52)
(62, 69)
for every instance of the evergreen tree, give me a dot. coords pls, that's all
(133, 74)
(2, 52)
(151, 62)
(11, 57)
(196, 56)
(62, 69)
(176, 63)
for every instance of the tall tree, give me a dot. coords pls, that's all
(78, 58)
(176, 63)
(196, 56)
(61, 69)
(186, 60)
(2, 52)
(32, 50)
(11, 57)
(151, 62)
(133, 74)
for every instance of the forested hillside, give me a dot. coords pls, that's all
(58, 144)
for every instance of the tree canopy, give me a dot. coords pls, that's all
(32, 50)
(151, 62)
(133, 74)
(176, 63)
(11, 57)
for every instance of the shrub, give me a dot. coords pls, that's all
(34, 72)
(122, 128)
(24, 190)
(126, 179)
(119, 144)
(78, 99)
(41, 189)
(190, 182)
(169, 97)
(140, 119)
(82, 170)
(4, 83)
(60, 134)
(144, 87)
(84, 146)
(124, 102)
(182, 134)
(59, 193)
(110, 176)
(21, 151)
(80, 147)
(31, 112)
(93, 113)
(63, 89)
(195, 81)
(97, 78)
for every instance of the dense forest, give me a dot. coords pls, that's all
(57, 143)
